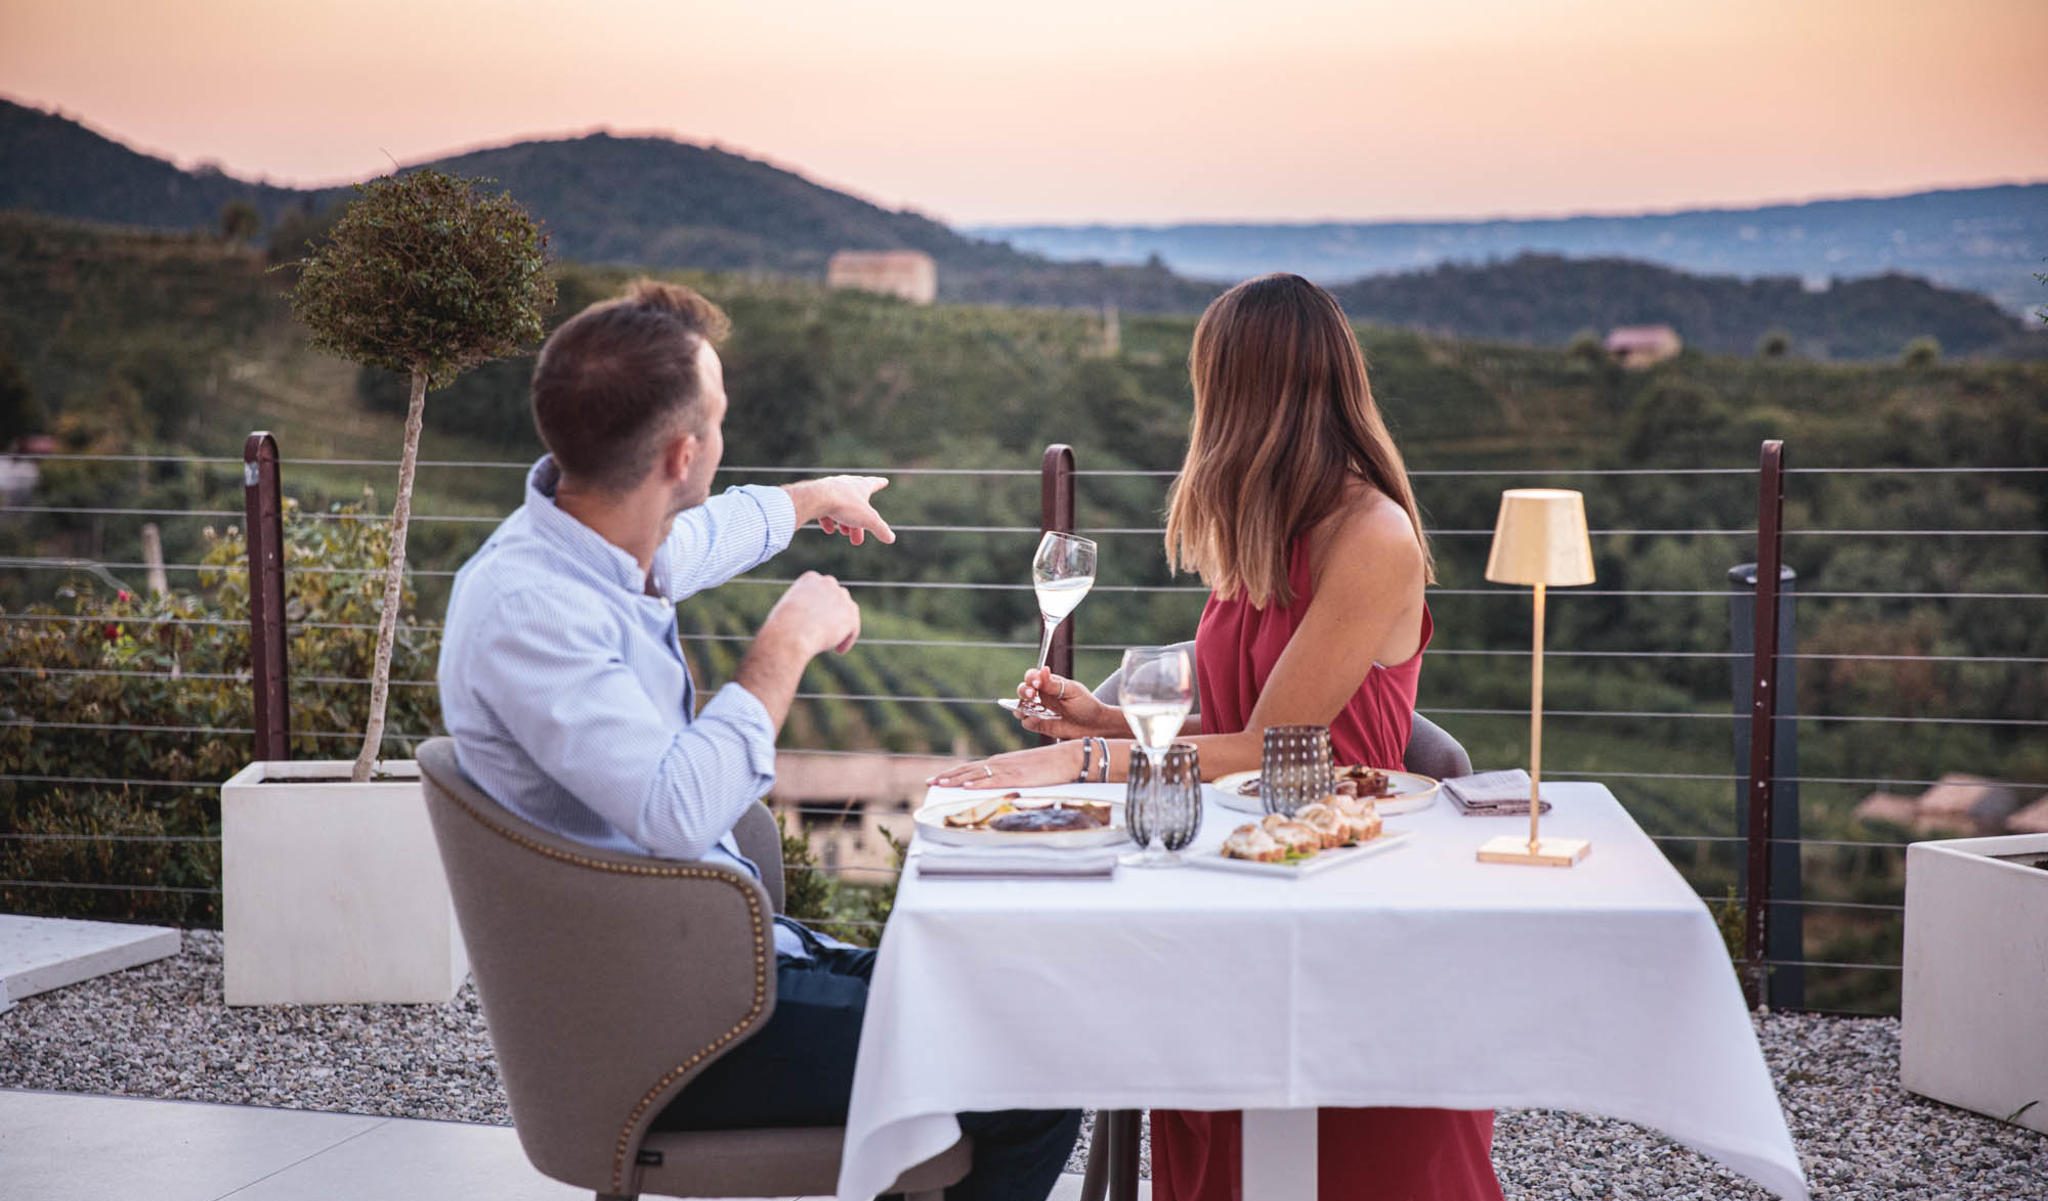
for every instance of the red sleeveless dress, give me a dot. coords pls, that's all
(1365, 1154)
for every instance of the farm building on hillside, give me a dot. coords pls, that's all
(908, 274)
(1642, 345)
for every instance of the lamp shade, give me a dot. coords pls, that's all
(1540, 538)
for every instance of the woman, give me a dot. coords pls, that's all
(1294, 507)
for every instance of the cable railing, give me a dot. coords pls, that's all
(1057, 484)
(1020, 644)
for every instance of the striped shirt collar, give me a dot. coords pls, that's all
(586, 546)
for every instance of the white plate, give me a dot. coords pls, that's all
(1412, 793)
(931, 823)
(1316, 864)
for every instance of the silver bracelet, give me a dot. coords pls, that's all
(1105, 759)
(1087, 756)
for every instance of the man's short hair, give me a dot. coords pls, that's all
(621, 377)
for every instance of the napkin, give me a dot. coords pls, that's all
(1492, 794)
(1015, 862)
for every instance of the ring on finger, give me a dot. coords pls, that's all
(988, 771)
(1063, 691)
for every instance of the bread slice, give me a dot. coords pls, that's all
(1326, 822)
(1296, 838)
(1361, 817)
(1250, 842)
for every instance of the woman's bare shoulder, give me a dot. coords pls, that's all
(1372, 532)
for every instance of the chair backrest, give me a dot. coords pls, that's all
(760, 838)
(608, 981)
(1431, 750)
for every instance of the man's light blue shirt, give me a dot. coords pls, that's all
(563, 682)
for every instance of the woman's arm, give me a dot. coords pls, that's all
(1367, 606)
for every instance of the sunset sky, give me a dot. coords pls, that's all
(1117, 110)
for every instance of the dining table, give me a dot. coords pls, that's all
(1416, 977)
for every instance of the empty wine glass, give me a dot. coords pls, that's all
(1158, 691)
(1062, 572)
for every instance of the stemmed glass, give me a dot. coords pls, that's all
(1157, 693)
(1062, 572)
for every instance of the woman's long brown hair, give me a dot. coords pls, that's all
(1284, 420)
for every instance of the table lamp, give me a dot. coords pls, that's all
(1540, 540)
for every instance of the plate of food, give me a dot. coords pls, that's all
(1317, 838)
(1015, 820)
(1395, 792)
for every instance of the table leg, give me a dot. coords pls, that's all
(1125, 1132)
(1095, 1181)
(1280, 1154)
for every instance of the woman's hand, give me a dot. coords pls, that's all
(1059, 763)
(1077, 713)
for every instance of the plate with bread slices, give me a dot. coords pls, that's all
(1395, 792)
(1318, 837)
(1016, 820)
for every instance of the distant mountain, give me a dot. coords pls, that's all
(1989, 240)
(656, 202)
(52, 164)
(643, 201)
(1545, 298)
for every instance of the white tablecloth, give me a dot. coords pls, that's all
(1418, 977)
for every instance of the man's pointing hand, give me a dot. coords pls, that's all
(840, 504)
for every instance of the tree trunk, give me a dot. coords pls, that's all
(394, 581)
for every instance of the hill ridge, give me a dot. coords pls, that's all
(654, 201)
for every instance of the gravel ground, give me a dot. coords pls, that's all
(161, 1031)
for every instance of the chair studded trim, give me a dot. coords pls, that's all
(622, 1157)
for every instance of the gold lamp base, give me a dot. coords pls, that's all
(1547, 852)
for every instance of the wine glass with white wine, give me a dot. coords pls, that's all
(1062, 572)
(1158, 690)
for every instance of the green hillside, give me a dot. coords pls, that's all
(139, 342)
(51, 163)
(658, 202)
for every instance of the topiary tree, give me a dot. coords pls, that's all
(1774, 345)
(1923, 351)
(427, 276)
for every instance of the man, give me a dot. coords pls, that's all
(565, 688)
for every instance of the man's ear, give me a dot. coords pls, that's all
(682, 450)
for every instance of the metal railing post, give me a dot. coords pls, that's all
(263, 506)
(1056, 513)
(1785, 920)
(1113, 1159)
(1763, 725)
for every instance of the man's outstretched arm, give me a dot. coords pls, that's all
(746, 526)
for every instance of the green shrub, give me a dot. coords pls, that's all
(133, 711)
(847, 909)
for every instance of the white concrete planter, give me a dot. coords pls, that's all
(333, 891)
(1976, 980)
